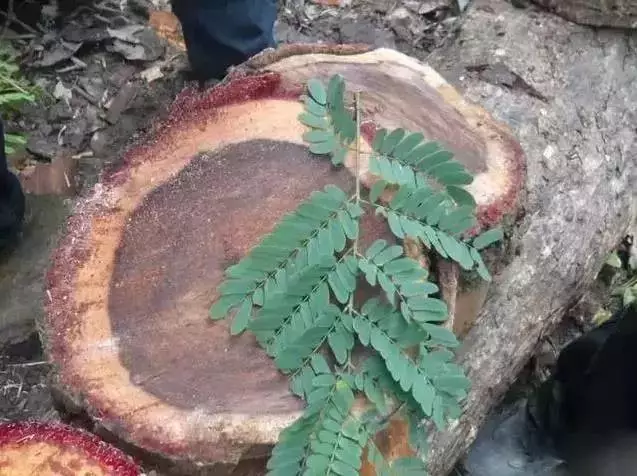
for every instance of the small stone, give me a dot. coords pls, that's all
(76, 132)
(99, 143)
(383, 6)
(549, 151)
(462, 4)
(62, 92)
(401, 21)
(121, 102)
(364, 31)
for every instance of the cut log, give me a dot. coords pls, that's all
(602, 13)
(569, 94)
(52, 449)
(134, 276)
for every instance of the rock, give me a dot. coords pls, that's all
(364, 31)
(121, 74)
(135, 42)
(44, 148)
(93, 86)
(406, 24)
(99, 143)
(383, 6)
(76, 132)
(462, 4)
(62, 92)
(434, 7)
(55, 52)
(121, 102)
(76, 34)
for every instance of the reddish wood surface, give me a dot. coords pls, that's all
(137, 269)
(53, 449)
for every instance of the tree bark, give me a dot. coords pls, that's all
(568, 92)
(602, 13)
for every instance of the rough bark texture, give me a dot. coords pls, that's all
(604, 13)
(568, 92)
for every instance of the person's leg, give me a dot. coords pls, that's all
(224, 33)
(12, 202)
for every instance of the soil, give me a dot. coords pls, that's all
(79, 116)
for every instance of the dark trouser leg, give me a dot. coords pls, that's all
(224, 33)
(11, 199)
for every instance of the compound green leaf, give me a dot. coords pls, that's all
(421, 152)
(342, 469)
(461, 196)
(456, 178)
(336, 91)
(375, 248)
(408, 144)
(324, 380)
(350, 226)
(388, 254)
(394, 225)
(242, 317)
(412, 228)
(337, 235)
(317, 91)
(338, 287)
(480, 266)
(379, 139)
(424, 394)
(314, 108)
(322, 148)
(392, 140)
(440, 335)
(377, 190)
(338, 155)
(399, 266)
(319, 364)
(317, 135)
(313, 121)
(388, 287)
(223, 305)
(409, 466)
(338, 344)
(437, 159)
(488, 238)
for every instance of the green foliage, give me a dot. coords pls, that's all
(332, 128)
(14, 91)
(403, 158)
(426, 215)
(295, 292)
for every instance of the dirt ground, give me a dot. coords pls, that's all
(101, 93)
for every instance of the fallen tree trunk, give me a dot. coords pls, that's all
(602, 13)
(137, 269)
(568, 92)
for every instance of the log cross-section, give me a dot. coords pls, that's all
(135, 273)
